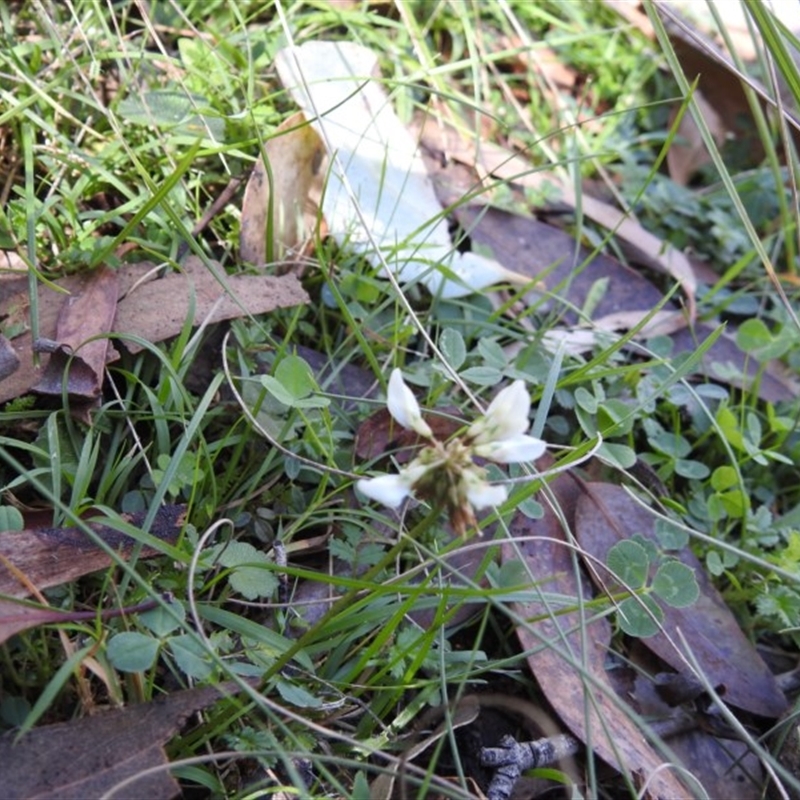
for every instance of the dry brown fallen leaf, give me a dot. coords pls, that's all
(567, 654)
(9, 360)
(294, 155)
(606, 514)
(157, 310)
(153, 310)
(711, 65)
(491, 160)
(33, 560)
(728, 768)
(688, 153)
(90, 757)
(548, 255)
(78, 361)
(51, 556)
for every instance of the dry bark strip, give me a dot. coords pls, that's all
(51, 556)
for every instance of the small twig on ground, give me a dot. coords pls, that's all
(513, 757)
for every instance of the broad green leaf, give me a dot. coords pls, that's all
(689, 468)
(482, 376)
(360, 789)
(248, 578)
(618, 455)
(11, 519)
(492, 353)
(676, 584)
(293, 384)
(670, 535)
(451, 343)
(614, 418)
(191, 657)
(278, 390)
(531, 508)
(724, 478)
(297, 695)
(752, 335)
(586, 400)
(132, 651)
(640, 616)
(628, 560)
(162, 621)
(296, 377)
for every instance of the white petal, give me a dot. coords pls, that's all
(390, 490)
(507, 415)
(512, 450)
(482, 495)
(403, 405)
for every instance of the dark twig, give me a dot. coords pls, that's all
(513, 757)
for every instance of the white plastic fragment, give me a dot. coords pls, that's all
(376, 165)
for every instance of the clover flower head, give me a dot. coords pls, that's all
(403, 406)
(445, 472)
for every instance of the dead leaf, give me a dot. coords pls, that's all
(18, 615)
(727, 768)
(726, 363)
(89, 757)
(158, 309)
(294, 155)
(52, 556)
(550, 257)
(155, 310)
(490, 159)
(567, 654)
(377, 191)
(85, 314)
(718, 77)
(9, 360)
(688, 153)
(606, 514)
(380, 431)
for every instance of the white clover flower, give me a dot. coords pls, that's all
(391, 490)
(403, 406)
(500, 435)
(445, 473)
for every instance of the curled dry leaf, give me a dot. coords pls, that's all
(82, 346)
(34, 559)
(157, 309)
(47, 557)
(280, 183)
(151, 308)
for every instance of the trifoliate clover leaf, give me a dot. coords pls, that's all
(676, 584)
(640, 616)
(629, 563)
